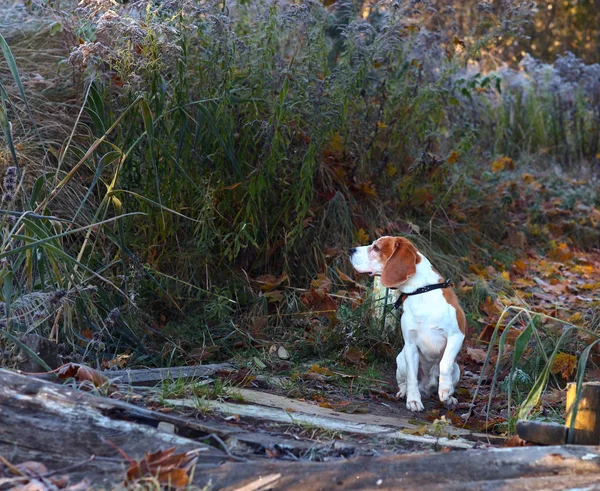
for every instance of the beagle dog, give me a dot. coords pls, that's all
(433, 323)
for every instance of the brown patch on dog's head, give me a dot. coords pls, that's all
(399, 257)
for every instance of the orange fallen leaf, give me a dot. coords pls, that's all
(565, 364)
(268, 282)
(453, 157)
(515, 441)
(82, 373)
(326, 405)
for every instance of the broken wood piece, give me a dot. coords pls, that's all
(398, 422)
(585, 430)
(289, 404)
(542, 433)
(280, 415)
(154, 376)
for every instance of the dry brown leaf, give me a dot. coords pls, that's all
(166, 466)
(322, 370)
(354, 356)
(321, 283)
(476, 354)
(346, 279)
(82, 373)
(269, 282)
(319, 301)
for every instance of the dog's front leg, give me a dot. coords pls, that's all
(448, 367)
(411, 354)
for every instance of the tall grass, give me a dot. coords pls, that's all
(551, 109)
(212, 143)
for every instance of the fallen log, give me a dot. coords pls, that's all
(521, 468)
(62, 427)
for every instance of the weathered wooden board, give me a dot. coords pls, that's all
(293, 416)
(154, 376)
(522, 468)
(60, 426)
(399, 422)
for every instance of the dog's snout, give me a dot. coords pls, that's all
(352, 251)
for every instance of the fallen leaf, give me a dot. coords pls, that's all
(165, 466)
(560, 253)
(319, 301)
(82, 373)
(354, 356)
(514, 441)
(565, 364)
(322, 282)
(420, 431)
(476, 354)
(268, 282)
(362, 236)
(322, 370)
(453, 157)
(346, 279)
(351, 407)
(274, 296)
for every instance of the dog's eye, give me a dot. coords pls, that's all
(375, 248)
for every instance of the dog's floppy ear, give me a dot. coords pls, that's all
(401, 265)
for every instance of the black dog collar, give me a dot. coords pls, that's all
(418, 291)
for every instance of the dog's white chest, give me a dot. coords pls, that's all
(426, 324)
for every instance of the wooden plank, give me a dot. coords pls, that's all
(279, 415)
(399, 422)
(61, 426)
(154, 376)
(522, 468)
(586, 427)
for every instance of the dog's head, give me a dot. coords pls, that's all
(394, 258)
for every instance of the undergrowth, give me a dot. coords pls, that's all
(186, 187)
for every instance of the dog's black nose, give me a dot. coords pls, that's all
(353, 250)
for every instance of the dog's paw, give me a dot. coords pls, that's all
(401, 394)
(415, 405)
(451, 402)
(446, 395)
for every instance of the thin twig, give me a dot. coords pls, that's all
(226, 448)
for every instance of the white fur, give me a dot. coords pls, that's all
(432, 337)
